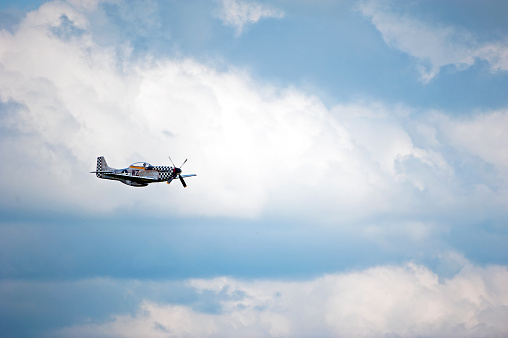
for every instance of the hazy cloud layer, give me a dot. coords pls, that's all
(404, 300)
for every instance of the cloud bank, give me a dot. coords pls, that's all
(404, 300)
(258, 149)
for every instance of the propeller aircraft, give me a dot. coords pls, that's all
(140, 174)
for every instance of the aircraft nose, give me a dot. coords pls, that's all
(178, 171)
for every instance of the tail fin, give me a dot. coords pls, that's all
(101, 166)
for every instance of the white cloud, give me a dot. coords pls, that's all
(238, 13)
(434, 45)
(484, 136)
(256, 149)
(404, 300)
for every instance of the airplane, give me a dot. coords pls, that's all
(140, 174)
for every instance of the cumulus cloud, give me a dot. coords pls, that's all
(238, 13)
(434, 45)
(406, 300)
(257, 149)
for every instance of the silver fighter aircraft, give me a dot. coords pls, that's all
(140, 174)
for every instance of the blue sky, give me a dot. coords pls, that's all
(351, 161)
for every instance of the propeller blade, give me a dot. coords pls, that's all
(171, 161)
(183, 182)
(183, 163)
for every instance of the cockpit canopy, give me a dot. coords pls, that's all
(141, 165)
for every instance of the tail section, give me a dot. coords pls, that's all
(101, 166)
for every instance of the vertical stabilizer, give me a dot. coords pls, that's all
(101, 166)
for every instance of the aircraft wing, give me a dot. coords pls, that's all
(139, 179)
(188, 175)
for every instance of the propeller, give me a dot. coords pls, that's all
(178, 171)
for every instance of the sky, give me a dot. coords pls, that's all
(351, 161)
